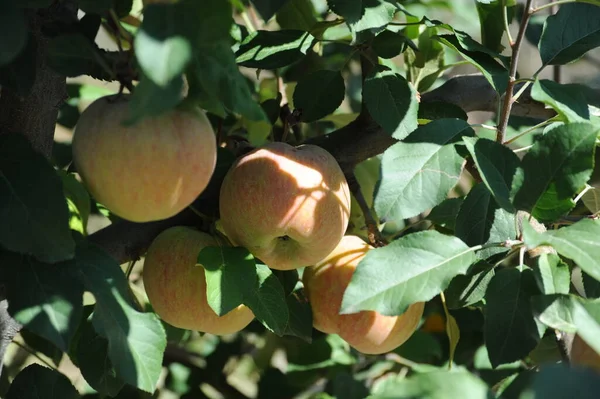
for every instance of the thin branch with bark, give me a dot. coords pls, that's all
(33, 116)
(512, 75)
(375, 237)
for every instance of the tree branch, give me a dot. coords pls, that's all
(359, 140)
(34, 116)
(375, 237)
(512, 75)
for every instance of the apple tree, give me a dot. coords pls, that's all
(299, 199)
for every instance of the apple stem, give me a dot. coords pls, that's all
(375, 237)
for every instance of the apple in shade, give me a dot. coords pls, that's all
(147, 171)
(368, 332)
(176, 286)
(289, 206)
(584, 355)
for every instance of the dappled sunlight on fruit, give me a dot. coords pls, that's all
(367, 331)
(281, 191)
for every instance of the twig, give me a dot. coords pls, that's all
(563, 346)
(508, 96)
(527, 131)
(506, 26)
(130, 268)
(556, 69)
(375, 237)
(34, 354)
(559, 2)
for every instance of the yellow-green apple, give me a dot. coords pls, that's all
(147, 171)
(368, 332)
(289, 206)
(176, 286)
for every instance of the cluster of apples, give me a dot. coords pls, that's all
(289, 206)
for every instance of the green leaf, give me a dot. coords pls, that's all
(325, 351)
(552, 274)
(19, 75)
(421, 347)
(346, 385)
(297, 14)
(171, 35)
(389, 44)
(94, 362)
(151, 99)
(73, 55)
(274, 49)
(79, 200)
(591, 199)
(268, 8)
(13, 33)
(429, 261)
(558, 381)
(95, 6)
(494, 72)
(579, 242)
(233, 277)
(571, 314)
(510, 329)
(497, 166)
(480, 221)
(392, 102)
(562, 40)
(365, 18)
(425, 65)
(466, 290)
(418, 173)
(34, 213)
(432, 385)
(35, 382)
(41, 345)
(556, 168)
(300, 319)
(217, 75)
(161, 59)
(136, 341)
(266, 300)
(591, 286)
(318, 94)
(230, 274)
(444, 214)
(568, 100)
(491, 20)
(45, 298)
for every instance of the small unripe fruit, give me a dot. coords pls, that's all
(176, 286)
(368, 332)
(147, 171)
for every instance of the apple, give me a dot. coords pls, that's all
(147, 171)
(176, 286)
(584, 355)
(368, 332)
(289, 206)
